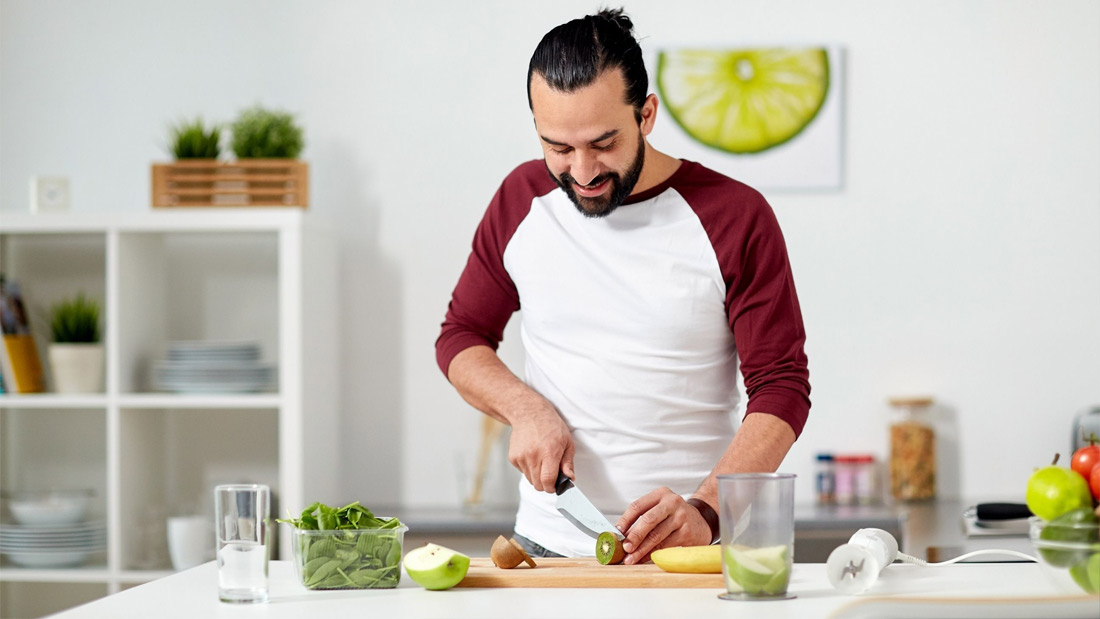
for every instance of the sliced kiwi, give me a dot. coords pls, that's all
(507, 553)
(526, 557)
(609, 549)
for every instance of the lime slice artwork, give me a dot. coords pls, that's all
(745, 100)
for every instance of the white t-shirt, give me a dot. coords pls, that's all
(626, 326)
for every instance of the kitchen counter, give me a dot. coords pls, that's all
(1003, 590)
(930, 530)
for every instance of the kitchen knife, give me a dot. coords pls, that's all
(579, 510)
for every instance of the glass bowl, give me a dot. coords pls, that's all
(1069, 554)
(349, 558)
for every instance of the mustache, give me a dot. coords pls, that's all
(567, 178)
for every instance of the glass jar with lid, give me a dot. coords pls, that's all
(912, 450)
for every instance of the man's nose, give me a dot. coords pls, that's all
(585, 168)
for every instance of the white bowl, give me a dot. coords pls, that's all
(50, 508)
(65, 558)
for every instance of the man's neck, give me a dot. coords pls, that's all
(658, 167)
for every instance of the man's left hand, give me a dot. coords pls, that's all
(661, 519)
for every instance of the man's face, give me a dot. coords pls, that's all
(593, 144)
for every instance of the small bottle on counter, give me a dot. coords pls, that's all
(912, 450)
(826, 479)
(845, 480)
(865, 479)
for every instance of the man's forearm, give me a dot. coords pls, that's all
(483, 380)
(759, 446)
(540, 444)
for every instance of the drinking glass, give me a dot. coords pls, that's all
(242, 522)
(757, 527)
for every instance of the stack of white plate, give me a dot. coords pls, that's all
(212, 367)
(52, 545)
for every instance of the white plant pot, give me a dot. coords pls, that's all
(77, 368)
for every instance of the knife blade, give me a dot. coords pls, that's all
(579, 510)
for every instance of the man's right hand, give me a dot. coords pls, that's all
(541, 444)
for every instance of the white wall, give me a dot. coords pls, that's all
(961, 259)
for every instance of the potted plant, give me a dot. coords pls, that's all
(192, 140)
(76, 354)
(267, 171)
(260, 133)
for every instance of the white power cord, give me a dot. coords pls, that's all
(904, 558)
(853, 567)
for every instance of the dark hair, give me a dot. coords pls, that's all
(574, 54)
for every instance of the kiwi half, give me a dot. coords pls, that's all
(507, 553)
(609, 549)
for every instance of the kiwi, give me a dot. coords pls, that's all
(609, 549)
(526, 557)
(507, 553)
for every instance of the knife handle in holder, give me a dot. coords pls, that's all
(1001, 511)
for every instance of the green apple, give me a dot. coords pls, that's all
(1053, 491)
(1079, 527)
(758, 571)
(1087, 574)
(435, 567)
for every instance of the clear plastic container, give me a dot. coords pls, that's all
(912, 450)
(349, 558)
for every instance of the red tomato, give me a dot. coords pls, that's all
(1084, 459)
(1094, 482)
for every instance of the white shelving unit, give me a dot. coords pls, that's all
(263, 275)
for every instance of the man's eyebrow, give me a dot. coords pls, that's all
(601, 138)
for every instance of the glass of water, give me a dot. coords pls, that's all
(242, 522)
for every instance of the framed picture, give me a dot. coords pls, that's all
(771, 116)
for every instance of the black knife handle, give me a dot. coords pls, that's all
(1002, 511)
(563, 483)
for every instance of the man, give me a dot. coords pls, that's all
(644, 282)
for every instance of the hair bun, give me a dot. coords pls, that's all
(617, 17)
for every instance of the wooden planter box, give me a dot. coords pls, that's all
(249, 182)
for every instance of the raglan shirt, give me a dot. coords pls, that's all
(634, 326)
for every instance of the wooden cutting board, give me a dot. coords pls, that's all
(582, 573)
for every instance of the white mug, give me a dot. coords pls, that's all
(190, 541)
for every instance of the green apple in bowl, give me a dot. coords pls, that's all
(1054, 490)
(1087, 574)
(435, 567)
(1068, 536)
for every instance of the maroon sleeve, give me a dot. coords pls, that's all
(485, 297)
(761, 301)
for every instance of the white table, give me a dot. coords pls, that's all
(1001, 590)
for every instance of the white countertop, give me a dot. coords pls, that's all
(1001, 590)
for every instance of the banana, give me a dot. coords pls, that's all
(689, 559)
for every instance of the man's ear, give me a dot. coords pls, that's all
(649, 114)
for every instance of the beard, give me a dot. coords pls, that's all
(621, 186)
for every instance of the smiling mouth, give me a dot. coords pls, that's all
(591, 191)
